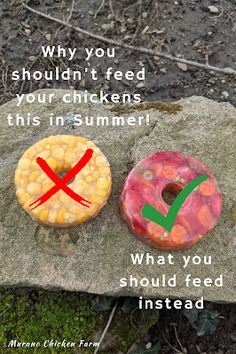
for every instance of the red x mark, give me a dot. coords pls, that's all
(61, 183)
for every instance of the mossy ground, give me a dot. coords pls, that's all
(28, 315)
(35, 316)
(123, 331)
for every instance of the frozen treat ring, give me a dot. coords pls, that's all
(79, 199)
(158, 175)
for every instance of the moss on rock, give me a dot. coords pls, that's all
(166, 107)
(36, 316)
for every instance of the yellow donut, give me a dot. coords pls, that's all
(62, 153)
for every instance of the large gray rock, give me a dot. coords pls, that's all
(94, 256)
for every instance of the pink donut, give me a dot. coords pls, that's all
(169, 172)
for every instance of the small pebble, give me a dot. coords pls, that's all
(108, 26)
(182, 66)
(82, 83)
(140, 85)
(28, 31)
(48, 37)
(32, 58)
(163, 70)
(148, 345)
(213, 9)
(225, 94)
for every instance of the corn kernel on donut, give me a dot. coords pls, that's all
(170, 172)
(61, 153)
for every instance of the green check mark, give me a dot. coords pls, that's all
(167, 222)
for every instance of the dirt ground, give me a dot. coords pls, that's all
(187, 28)
(222, 341)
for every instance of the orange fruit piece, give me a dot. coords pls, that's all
(169, 172)
(185, 222)
(205, 217)
(178, 233)
(207, 188)
(155, 230)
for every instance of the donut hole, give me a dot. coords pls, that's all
(62, 174)
(170, 192)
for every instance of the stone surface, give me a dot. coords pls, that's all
(94, 256)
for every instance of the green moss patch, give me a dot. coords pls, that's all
(36, 316)
(171, 108)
